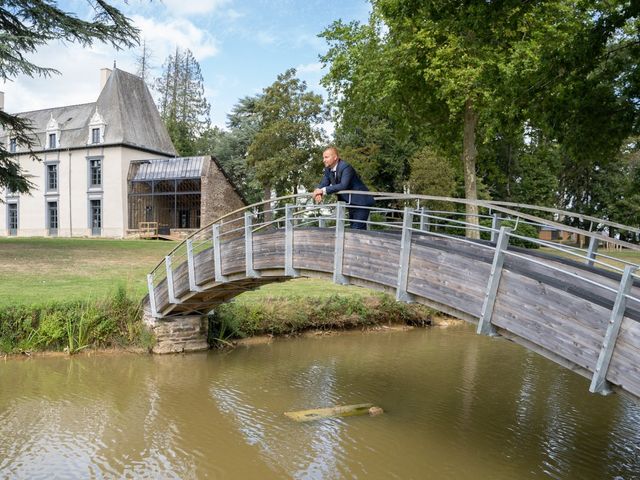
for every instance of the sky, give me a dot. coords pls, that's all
(241, 45)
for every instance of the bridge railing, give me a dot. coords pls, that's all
(389, 215)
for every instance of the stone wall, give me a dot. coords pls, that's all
(178, 334)
(219, 195)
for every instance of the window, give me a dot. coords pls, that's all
(95, 135)
(52, 176)
(95, 216)
(12, 218)
(52, 140)
(52, 217)
(95, 173)
(13, 144)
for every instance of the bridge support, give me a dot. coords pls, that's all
(248, 246)
(405, 255)
(288, 243)
(177, 334)
(191, 268)
(338, 276)
(217, 255)
(484, 324)
(591, 252)
(599, 379)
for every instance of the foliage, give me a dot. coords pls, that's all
(230, 147)
(544, 92)
(182, 103)
(284, 151)
(26, 25)
(434, 175)
(73, 326)
(290, 315)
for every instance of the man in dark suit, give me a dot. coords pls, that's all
(338, 176)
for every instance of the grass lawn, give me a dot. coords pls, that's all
(40, 270)
(625, 255)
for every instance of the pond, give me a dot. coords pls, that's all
(457, 406)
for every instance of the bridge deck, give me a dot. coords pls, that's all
(556, 307)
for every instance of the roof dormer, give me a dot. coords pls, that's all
(96, 129)
(52, 137)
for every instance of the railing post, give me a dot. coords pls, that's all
(405, 256)
(170, 288)
(248, 246)
(217, 255)
(591, 252)
(495, 226)
(288, 242)
(424, 221)
(484, 324)
(338, 277)
(191, 267)
(321, 222)
(599, 379)
(152, 296)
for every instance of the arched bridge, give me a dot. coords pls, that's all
(577, 306)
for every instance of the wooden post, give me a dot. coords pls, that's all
(405, 256)
(217, 255)
(338, 277)
(591, 252)
(484, 324)
(248, 246)
(170, 287)
(191, 268)
(288, 242)
(152, 296)
(599, 379)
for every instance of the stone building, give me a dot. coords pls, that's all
(96, 161)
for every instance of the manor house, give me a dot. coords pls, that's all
(108, 166)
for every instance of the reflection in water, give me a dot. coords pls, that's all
(457, 406)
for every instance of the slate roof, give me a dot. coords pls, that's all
(125, 105)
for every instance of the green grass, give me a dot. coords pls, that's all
(42, 270)
(632, 256)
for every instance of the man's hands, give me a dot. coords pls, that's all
(317, 195)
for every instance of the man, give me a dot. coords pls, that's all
(339, 176)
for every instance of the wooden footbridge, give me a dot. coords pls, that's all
(578, 307)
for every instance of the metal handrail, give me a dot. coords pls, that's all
(235, 217)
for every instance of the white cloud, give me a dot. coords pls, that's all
(163, 37)
(193, 7)
(309, 68)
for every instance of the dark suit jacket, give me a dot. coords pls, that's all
(346, 179)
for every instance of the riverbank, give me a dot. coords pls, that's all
(115, 321)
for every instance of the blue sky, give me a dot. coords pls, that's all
(242, 45)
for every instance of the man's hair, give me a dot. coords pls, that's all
(332, 148)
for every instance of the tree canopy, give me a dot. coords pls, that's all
(26, 25)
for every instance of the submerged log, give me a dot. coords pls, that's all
(338, 411)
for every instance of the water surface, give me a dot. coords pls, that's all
(457, 406)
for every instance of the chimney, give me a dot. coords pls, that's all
(1, 101)
(104, 76)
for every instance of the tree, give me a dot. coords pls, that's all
(26, 25)
(182, 103)
(459, 75)
(231, 147)
(286, 148)
(143, 62)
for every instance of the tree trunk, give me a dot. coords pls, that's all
(266, 208)
(469, 154)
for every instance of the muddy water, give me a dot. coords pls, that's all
(456, 406)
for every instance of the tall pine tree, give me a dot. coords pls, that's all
(182, 103)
